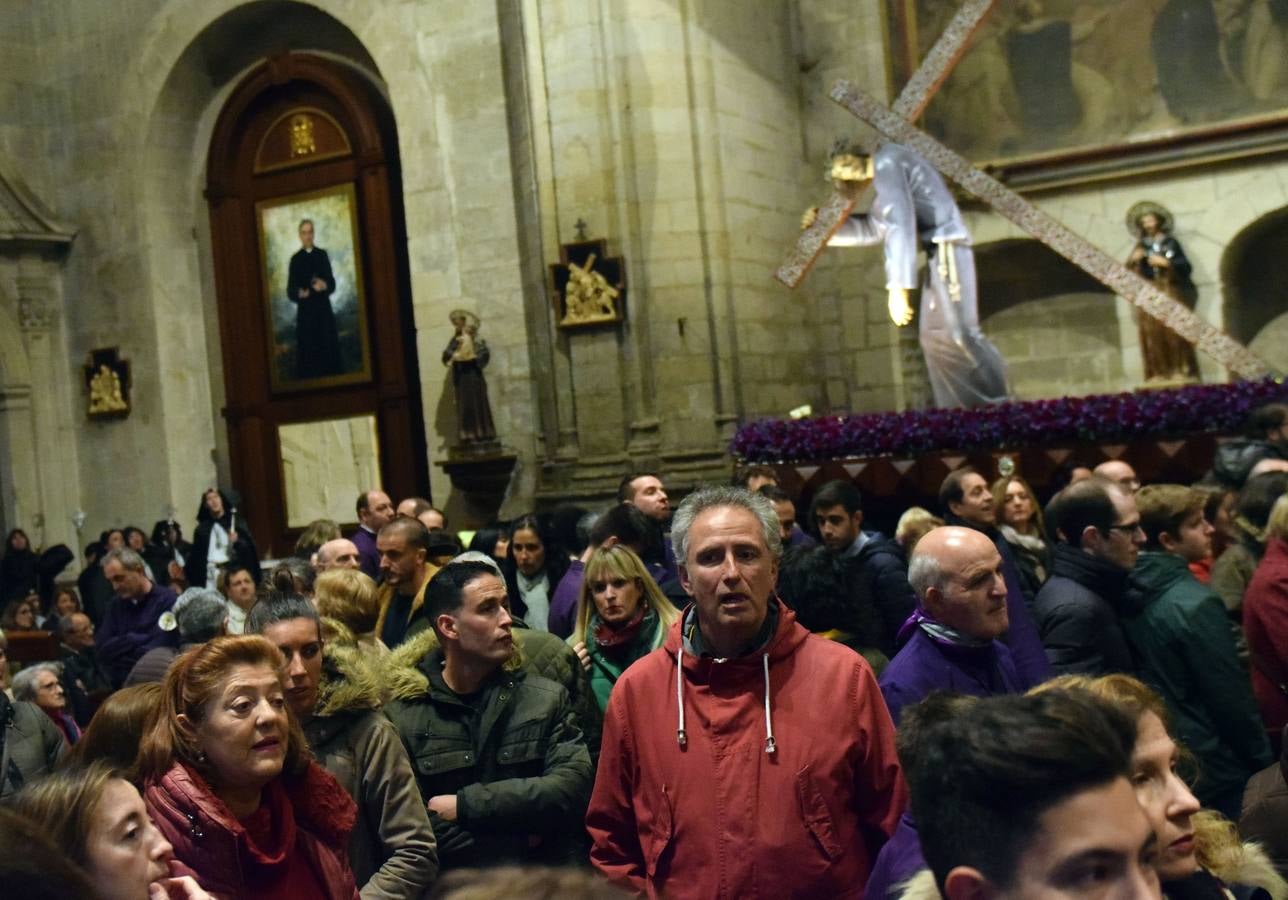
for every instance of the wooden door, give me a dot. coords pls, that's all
(318, 343)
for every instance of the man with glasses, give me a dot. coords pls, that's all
(84, 677)
(1097, 532)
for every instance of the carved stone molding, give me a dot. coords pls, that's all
(25, 222)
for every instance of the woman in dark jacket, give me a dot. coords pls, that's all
(335, 695)
(534, 564)
(229, 780)
(1019, 519)
(18, 568)
(218, 541)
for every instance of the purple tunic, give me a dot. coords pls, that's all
(925, 665)
(898, 861)
(368, 555)
(131, 628)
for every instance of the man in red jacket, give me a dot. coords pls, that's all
(779, 778)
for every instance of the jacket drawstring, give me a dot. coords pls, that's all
(770, 745)
(680, 737)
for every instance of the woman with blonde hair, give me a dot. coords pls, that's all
(1199, 850)
(622, 615)
(229, 780)
(350, 599)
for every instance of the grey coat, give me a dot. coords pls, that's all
(33, 745)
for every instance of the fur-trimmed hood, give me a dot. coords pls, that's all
(350, 682)
(404, 677)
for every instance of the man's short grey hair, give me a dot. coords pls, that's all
(477, 557)
(200, 613)
(24, 683)
(924, 572)
(129, 559)
(67, 624)
(707, 498)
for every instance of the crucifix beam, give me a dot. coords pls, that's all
(1091, 259)
(911, 103)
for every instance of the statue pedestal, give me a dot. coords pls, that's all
(481, 471)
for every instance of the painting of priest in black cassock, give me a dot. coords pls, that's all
(314, 306)
(309, 286)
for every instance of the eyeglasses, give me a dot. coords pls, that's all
(1129, 530)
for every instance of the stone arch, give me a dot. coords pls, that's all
(1032, 301)
(193, 54)
(1254, 269)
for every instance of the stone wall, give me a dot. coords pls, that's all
(689, 133)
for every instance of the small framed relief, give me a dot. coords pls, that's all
(107, 380)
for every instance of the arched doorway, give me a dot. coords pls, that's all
(1254, 270)
(309, 249)
(1055, 325)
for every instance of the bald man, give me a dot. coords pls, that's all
(951, 643)
(340, 553)
(1120, 473)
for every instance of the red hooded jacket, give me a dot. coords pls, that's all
(213, 847)
(720, 816)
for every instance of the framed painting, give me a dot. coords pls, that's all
(1062, 91)
(314, 300)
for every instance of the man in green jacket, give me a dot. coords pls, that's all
(497, 750)
(1180, 635)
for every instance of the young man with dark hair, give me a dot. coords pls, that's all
(785, 509)
(1029, 796)
(1186, 650)
(1266, 437)
(754, 478)
(966, 501)
(1098, 536)
(837, 512)
(498, 752)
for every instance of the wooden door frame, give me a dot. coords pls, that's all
(253, 412)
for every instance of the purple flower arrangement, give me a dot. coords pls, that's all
(1172, 412)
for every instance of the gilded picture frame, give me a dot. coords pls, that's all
(1058, 92)
(314, 299)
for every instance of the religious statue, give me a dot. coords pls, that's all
(913, 208)
(105, 393)
(588, 297)
(309, 285)
(468, 355)
(1159, 258)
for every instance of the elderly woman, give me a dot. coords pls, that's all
(97, 819)
(1019, 519)
(621, 616)
(350, 599)
(334, 695)
(229, 781)
(42, 685)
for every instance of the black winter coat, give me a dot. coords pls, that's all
(882, 569)
(1077, 615)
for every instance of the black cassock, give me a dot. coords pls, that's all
(317, 342)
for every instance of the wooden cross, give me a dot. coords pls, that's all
(911, 103)
(1091, 259)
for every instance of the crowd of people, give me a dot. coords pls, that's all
(1084, 694)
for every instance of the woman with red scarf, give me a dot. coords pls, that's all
(621, 616)
(230, 783)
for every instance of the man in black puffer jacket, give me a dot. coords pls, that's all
(1099, 536)
(878, 562)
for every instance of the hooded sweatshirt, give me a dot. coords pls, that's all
(778, 780)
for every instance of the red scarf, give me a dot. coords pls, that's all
(612, 641)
